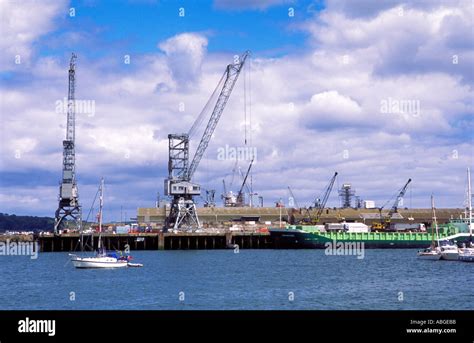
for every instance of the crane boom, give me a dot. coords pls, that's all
(400, 195)
(322, 204)
(232, 73)
(326, 196)
(240, 195)
(384, 224)
(70, 133)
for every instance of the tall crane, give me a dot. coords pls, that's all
(321, 203)
(384, 224)
(240, 194)
(179, 183)
(69, 206)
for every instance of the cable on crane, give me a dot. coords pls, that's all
(197, 123)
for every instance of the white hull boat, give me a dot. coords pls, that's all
(466, 255)
(432, 253)
(450, 256)
(97, 262)
(449, 252)
(429, 254)
(102, 259)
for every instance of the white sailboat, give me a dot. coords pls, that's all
(101, 259)
(466, 254)
(432, 252)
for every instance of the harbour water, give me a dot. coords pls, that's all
(247, 280)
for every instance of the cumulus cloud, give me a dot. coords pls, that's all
(185, 53)
(331, 107)
(402, 39)
(369, 8)
(22, 24)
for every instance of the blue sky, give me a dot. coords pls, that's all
(318, 81)
(136, 27)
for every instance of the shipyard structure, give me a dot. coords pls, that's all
(177, 223)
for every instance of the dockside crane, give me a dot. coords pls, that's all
(179, 183)
(69, 206)
(320, 203)
(384, 224)
(240, 194)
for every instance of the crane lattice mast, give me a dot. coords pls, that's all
(68, 194)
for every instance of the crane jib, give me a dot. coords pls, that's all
(232, 74)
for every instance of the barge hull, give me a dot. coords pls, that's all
(298, 239)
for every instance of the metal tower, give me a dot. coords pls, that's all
(179, 183)
(68, 195)
(346, 193)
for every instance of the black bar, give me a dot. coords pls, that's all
(156, 326)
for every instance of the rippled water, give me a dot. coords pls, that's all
(250, 279)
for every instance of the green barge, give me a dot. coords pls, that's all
(307, 237)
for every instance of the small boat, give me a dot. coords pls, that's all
(429, 254)
(102, 259)
(130, 264)
(432, 252)
(466, 255)
(449, 251)
(98, 261)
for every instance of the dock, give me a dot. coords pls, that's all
(158, 241)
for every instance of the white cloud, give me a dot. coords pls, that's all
(402, 39)
(185, 53)
(22, 23)
(331, 107)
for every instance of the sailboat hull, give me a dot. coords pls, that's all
(466, 255)
(449, 256)
(466, 258)
(98, 262)
(428, 256)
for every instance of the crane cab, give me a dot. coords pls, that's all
(181, 188)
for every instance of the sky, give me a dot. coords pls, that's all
(379, 91)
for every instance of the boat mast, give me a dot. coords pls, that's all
(469, 199)
(435, 223)
(101, 205)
